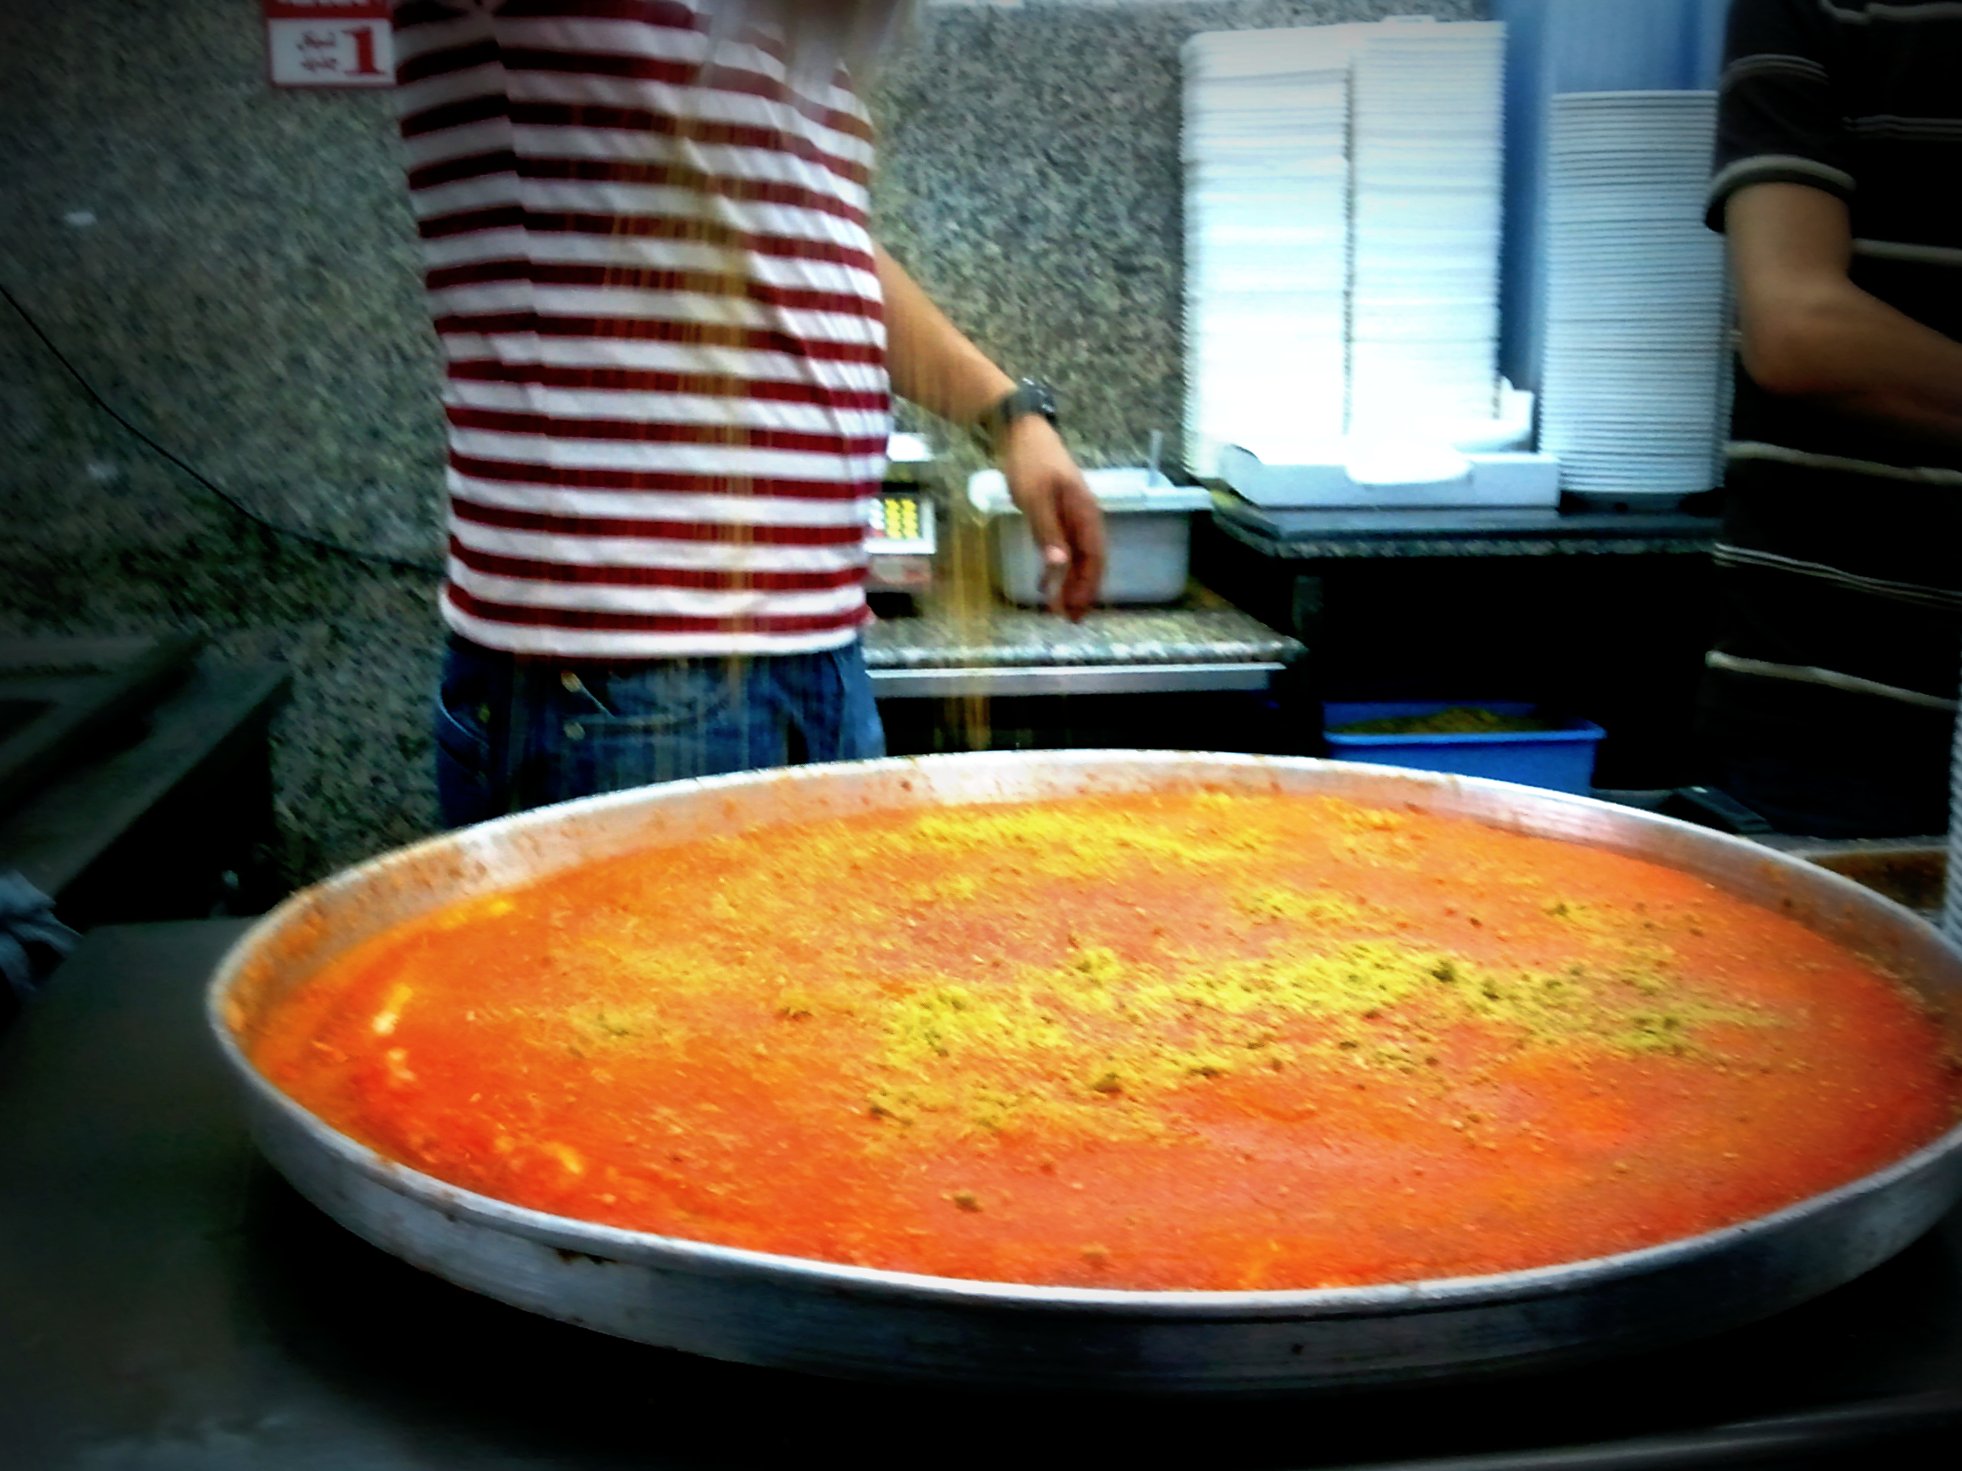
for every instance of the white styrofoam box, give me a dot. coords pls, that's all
(1427, 158)
(1342, 231)
(1265, 150)
(1441, 479)
(1147, 524)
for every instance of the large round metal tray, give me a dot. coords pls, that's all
(818, 1316)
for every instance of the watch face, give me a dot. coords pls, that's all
(1028, 397)
(1032, 397)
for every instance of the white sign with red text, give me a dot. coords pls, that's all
(329, 43)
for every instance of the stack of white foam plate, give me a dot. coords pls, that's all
(1428, 154)
(1635, 376)
(1267, 238)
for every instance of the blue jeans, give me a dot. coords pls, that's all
(519, 732)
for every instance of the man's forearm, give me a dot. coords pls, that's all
(931, 362)
(1852, 351)
(1810, 333)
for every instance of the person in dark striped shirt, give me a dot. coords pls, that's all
(1829, 704)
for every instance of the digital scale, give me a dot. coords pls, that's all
(902, 521)
(902, 538)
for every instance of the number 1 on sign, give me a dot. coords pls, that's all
(364, 52)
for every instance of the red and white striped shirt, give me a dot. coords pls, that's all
(655, 289)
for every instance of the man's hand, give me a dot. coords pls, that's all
(932, 364)
(1064, 517)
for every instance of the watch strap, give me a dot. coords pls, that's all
(1029, 396)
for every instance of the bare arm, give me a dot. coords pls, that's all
(1809, 332)
(933, 365)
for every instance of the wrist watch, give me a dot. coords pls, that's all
(1029, 396)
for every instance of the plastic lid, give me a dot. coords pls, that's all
(908, 449)
(1117, 490)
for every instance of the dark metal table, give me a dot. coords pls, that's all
(1601, 613)
(168, 1303)
(161, 806)
(1464, 531)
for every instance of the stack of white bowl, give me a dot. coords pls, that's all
(1266, 239)
(1428, 155)
(1635, 380)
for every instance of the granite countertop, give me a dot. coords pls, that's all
(1202, 628)
(1468, 531)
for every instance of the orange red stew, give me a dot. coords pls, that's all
(1195, 1040)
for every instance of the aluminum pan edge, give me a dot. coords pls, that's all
(825, 1317)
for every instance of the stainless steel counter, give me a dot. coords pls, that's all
(1201, 643)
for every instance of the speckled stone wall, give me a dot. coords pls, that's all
(233, 268)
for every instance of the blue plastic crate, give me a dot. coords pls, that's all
(1562, 759)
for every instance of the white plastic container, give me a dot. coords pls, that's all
(1148, 521)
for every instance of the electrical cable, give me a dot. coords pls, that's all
(289, 533)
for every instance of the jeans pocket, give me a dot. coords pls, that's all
(629, 726)
(660, 697)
